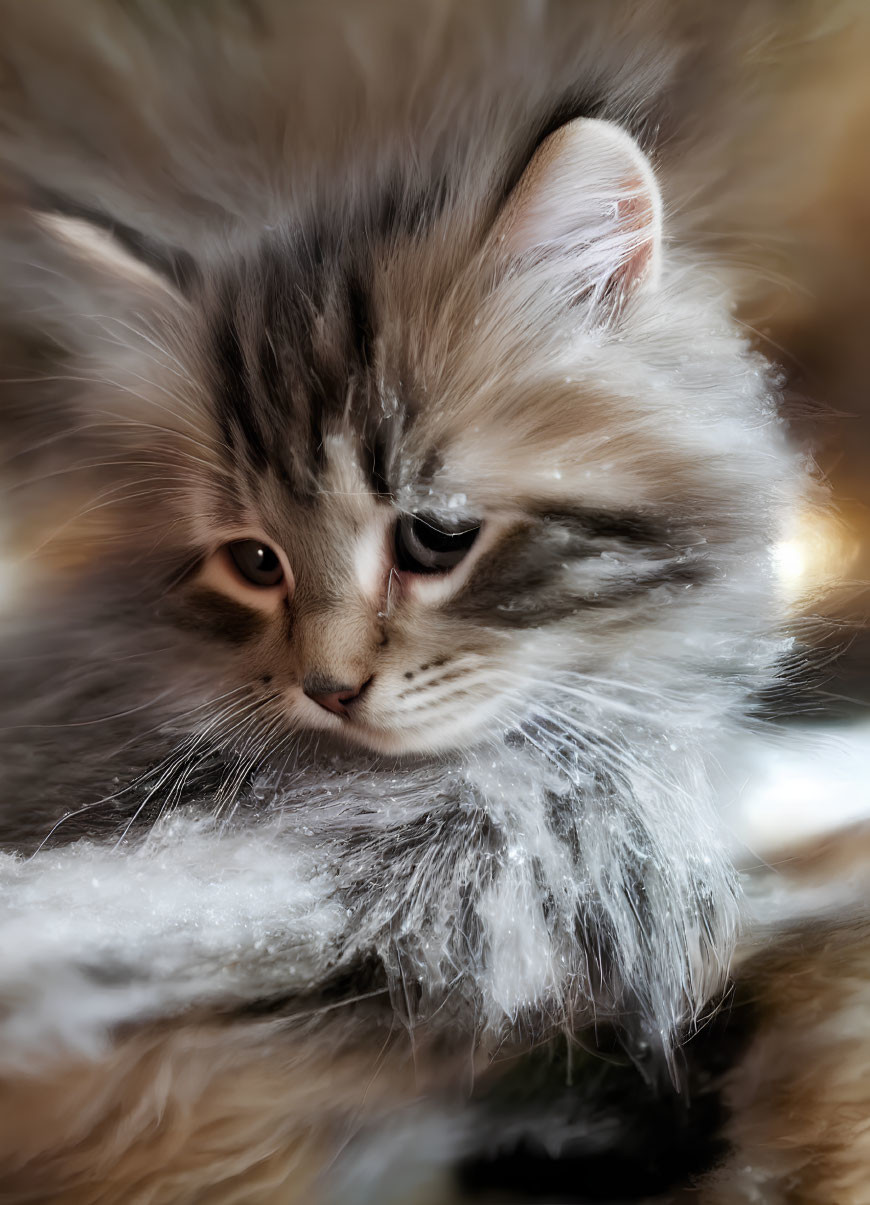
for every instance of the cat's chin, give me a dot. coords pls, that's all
(355, 735)
(409, 743)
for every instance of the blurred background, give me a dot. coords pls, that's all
(811, 314)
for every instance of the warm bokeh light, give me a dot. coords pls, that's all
(819, 555)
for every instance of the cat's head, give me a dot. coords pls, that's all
(462, 472)
(392, 477)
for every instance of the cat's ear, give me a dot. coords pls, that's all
(64, 269)
(117, 253)
(589, 205)
(85, 292)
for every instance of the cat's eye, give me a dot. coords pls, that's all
(430, 544)
(256, 562)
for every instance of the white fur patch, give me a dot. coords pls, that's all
(93, 936)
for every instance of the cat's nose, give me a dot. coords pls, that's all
(331, 696)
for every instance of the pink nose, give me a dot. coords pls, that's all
(331, 697)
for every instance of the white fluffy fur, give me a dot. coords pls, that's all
(95, 936)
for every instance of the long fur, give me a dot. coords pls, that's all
(553, 859)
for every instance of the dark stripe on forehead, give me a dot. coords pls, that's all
(311, 349)
(288, 385)
(378, 465)
(271, 371)
(361, 318)
(233, 401)
(295, 345)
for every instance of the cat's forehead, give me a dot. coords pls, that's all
(397, 344)
(405, 371)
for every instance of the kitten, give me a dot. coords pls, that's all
(413, 523)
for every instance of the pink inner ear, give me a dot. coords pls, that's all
(589, 200)
(636, 215)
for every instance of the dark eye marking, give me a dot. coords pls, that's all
(513, 569)
(626, 527)
(522, 582)
(210, 613)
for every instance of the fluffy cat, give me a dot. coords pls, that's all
(409, 532)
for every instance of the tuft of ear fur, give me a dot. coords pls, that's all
(104, 256)
(89, 329)
(77, 259)
(589, 202)
(66, 279)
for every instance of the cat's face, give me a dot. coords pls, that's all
(414, 605)
(410, 481)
